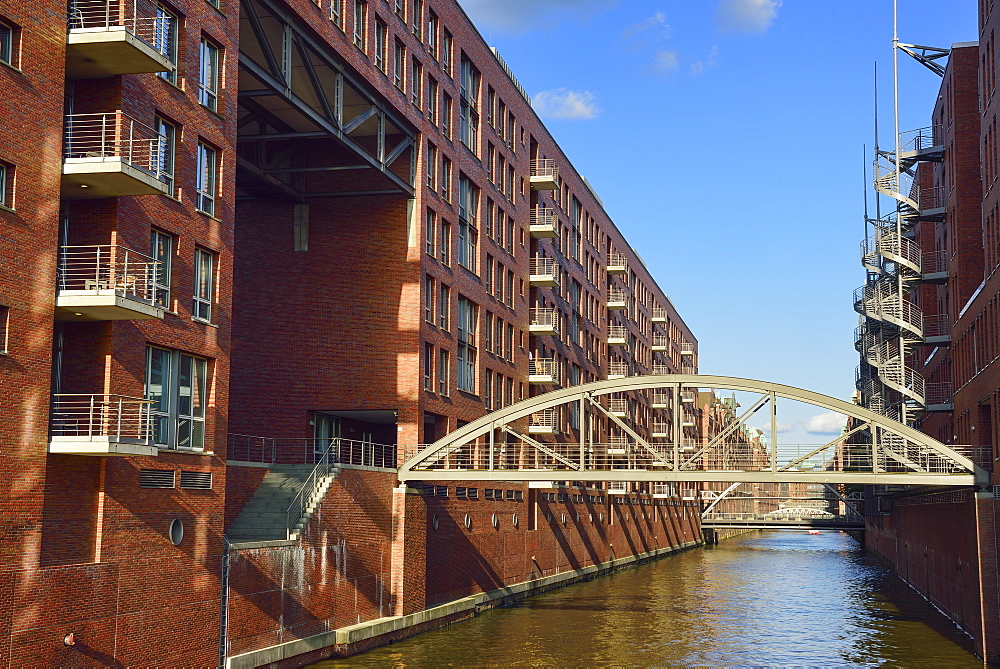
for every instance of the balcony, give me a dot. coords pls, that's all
(661, 369)
(618, 407)
(932, 203)
(544, 321)
(545, 421)
(544, 272)
(617, 335)
(618, 369)
(617, 263)
(544, 174)
(543, 223)
(687, 348)
(659, 315)
(934, 267)
(661, 431)
(922, 144)
(688, 419)
(617, 298)
(543, 371)
(661, 490)
(101, 425)
(660, 342)
(937, 329)
(109, 155)
(661, 400)
(106, 283)
(111, 37)
(938, 396)
(687, 396)
(618, 487)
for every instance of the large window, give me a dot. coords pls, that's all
(165, 152)
(446, 48)
(337, 13)
(208, 75)
(165, 39)
(204, 284)
(467, 315)
(468, 116)
(468, 236)
(177, 385)
(161, 247)
(206, 179)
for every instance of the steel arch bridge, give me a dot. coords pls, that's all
(521, 442)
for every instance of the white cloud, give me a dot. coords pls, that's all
(656, 23)
(562, 103)
(783, 428)
(746, 16)
(665, 62)
(699, 66)
(522, 15)
(830, 422)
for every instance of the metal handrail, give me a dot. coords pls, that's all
(298, 506)
(688, 347)
(618, 405)
(937, 325)
(113, 135)
(544, 167)
(542, 216)
(108, 267)
(542, 266)
(921, 139)
(617, 295)
(659, 314)
(934, 261)
(545, 316)
(617, 260)
(618, 368)
(544, 367)
(116, 417)
(544, 418)
(660, 369)
(661, 428)
(138, 17)
(660, 340)
(617, 332)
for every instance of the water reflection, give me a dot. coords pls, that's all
(772, 598)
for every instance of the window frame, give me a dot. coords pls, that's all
(166, 165)
(203, 292)
(209, 73)
(444, 372)
(360, 23)
(381, 41)
(206, 178)
(444, 307)
(8, 44)
(162, 287)
(429, 367)
(6, 185)
(166, 39)
(168, 420)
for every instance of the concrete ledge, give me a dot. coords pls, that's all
(272, 543)
(354, 637)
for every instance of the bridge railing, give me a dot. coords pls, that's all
(274, 450)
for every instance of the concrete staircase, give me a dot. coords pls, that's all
(264, 517)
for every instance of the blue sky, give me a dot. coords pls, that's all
(726, 138)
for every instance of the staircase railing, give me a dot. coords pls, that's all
(298, 506)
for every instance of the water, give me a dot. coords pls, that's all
(765, 599)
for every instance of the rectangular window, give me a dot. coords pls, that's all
(444, 306)
(166, 147)
(488, 273)
(360, 22)
(417, 19)
(398, 8)
(432, 97)
(446, 110)
(161, 248)
(430, 232)
(7, 50)
(468, 114)
(498, 282)
(204, 284)
(491, 104)
(508, 347)
(165, 39)
(467, 316)
(444, 372)
(429, 299)
(498, 339)
(206, 179)
(488, 331)
(445, 179)
(509, 391)
(337, 13)
(381, 35)
(446, 47)
(428, 367)
(208, 74)
(488, 391)
(491, 155)
(177, 385)
(510, 288)
(432, 33)
(431, 162)
(444, 248)
(398, 63)
(6, 185)
(416, 79)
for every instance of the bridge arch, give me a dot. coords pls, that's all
(875, 450)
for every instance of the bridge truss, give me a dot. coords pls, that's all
(584, 433)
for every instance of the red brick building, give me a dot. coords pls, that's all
(234, 232)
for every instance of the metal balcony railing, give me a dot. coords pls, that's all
(618, 487)
(661, 489)
(547, 317)
(541, 266)
(659, 315)
(933, 262)
(688, 396)
(544, 167)
(546, 419)
(687, 348)
(937, 325)
(662, 398)
(544, 217)
(618, 405)
(661, 341)
(659, 369)
(938, 393)
(618, 261)
(544, 367)
(618, 368)
(618, 332)
(139, 17)
(115, 417)
(112, 136)
(249, 448)
(931, 197)
(617, 295)
(661, 428)
(921, 139)
(108, 267)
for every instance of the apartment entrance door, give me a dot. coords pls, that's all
(326, 429)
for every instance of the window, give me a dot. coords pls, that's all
(445, 179)
(430, 232)
(467, 313)
(508, 347)
(208, 75)
(360, 21)
(446, 47)
(399, 8)
(177, 385)
(432, 33)
(446, 116)
(398, 60)
(7, 36)
(488, 331)
(488, 390)
(491, 103)
(165, 39)
(416, 22)
(204, 284)
(381, 34)
(4, 329)
(444, 371)
(165, 152)
(428, 367)
(444, 304)
(206, 179)
(468, 236)
(432, 96)
(468, 116)
(429, 299)
(161, 248)
(337, 13)
(444, 248)
(431, 163)
(498, 396)
(416, 79)
(6, 185)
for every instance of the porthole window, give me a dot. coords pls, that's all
(176, 531)
(434, 522)
(514, 520)
(468, 522)
(564, 518)
(496, 521)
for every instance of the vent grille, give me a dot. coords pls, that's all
(196, 480)
(157, 478)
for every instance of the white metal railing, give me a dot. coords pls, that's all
(688, 396)
(921, 139)
(938, 393)
(543, 216)
(116, 417)
(933, 262)
(660, 340)
(544, 367)
(617, 295)
(544, 167)
(618, 486)
(687, 348)
(618, 405)
(937, 325)
(278, 450)
(661, 428)
(112, 135)
(546, 418)
(659, 369)
(542, 266)
(108, 267)
(897, 185)
(659, 314)
(661, 488)
(893, 247)
(139, 17)
(545, 317)
(617, 332)
(618, 260)
(618, 368)
(662, 398)
(931, 197)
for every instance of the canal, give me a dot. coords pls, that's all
(768, 598)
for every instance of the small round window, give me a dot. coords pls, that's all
(176, 531)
